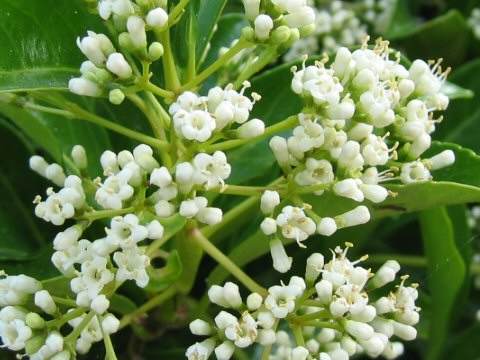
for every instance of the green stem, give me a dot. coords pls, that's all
(297, 334)
(78, 330)
(67, 317)
(63, 301)
(313, 303)
(49, 110)
(239, 46)
(96, 215)
(172, 17)
(158, 90)
(313, 316)
(263, 60)
(239, 190)
(228, 264)
(286, 124)
(169, 70)
(110, 351)
(149, 305)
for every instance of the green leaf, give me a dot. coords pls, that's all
(446, 269)
(446, 36)
(208, 15)
(455, 92)
(34, 128)
(401, 23)
(161, 278)
(465, 346)
(122, 304)
(47, 57)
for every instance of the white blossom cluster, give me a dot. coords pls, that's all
(22, 328)
(342, 23)
(279, 20)
(199, 118)
(338, 317)
(367, 119)
(137, 195)
(107, 68)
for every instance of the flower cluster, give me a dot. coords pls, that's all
(278, 20)
(107, 68)
(198, 118)
(367, 119)
(342, 23)
(335, 315)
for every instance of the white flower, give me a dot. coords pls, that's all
(126, 231)
(100, 304)
(211, 170)
(110, 324)
(295, 224)
(413, 172)
(281, 299)
(132, 264)
(200, 351)
(15, 289)
(309, 135)
(161, 177)
(197, 125)
(78, 253)
(349, 188)
(96, 47)
(13, 330)
(317, 172)
(114, 190)
(244, 332)
(136, 29)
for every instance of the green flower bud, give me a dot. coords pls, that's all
(248, 33)
(307, 30)
(34, 344)
(281, 34)
(125, 41)
(116, 96)
(155, 51)
(35, 321)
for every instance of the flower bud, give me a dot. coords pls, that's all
(250, 129)
(248, 33)
(34, 344)
(266, 319)
(55, 174)
(155, 51)
(281, 262)
(39, 165)
(161, 177)
(360, 131)
(54, 342)
(108, 160)
(359, 330)
(224, 351)
(349, 345)
(324, 290)
(252, 8)
(44, 301)
(327, 226)
(231, 294)
(35, 321)
(254, 301)
(280, 150)
(117, 64)
(210, 216)
(81, 86)
(164, 209)
(64, 355)
(385, 274)
(420, 145)
(405, 332)
(136, 29)
(445, 158)
(359, 215)
(100, 304)
(155, 230)
(157, 17)
(375, 345)
(268, 201)
(374, 193)
(315, 264)
(266, 337)
(184, 173)
(110, 324)
(393, 350)
(268, 226)
(79, 156)
(215, 294)
(349, 188)
(200, 327)
(300, 353)
(281, 34)
(263, 24)
(116, 96)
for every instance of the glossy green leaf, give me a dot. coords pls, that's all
(455, 92)
(446, 36)
(163, 277)
(446, 269)
(401, 23)
(38, 49)
(210, 11)
(122, 304)
(465, 346)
